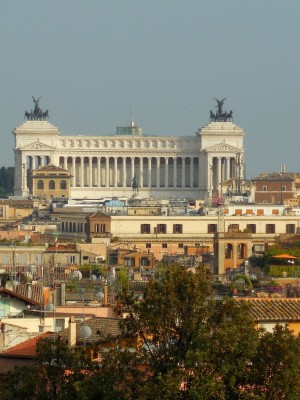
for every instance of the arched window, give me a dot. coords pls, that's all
(63, 185)
(40, 184)
(241, 250)
(228, 251)
(51, 185)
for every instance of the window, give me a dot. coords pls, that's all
(270, 228)
(283, 188)
(212, 228)
(40, 184)
(290, 228)
(51, 184)
(145, 228)
(5, 259)
(251, 228)
(145, 262)
(161, 228)
(148, 245)
(241, 251)
(63, 185)
(71, 259)
(228, 251)
(164, 245)
(59, 324)
(233, 228)
(264, 188)
(22, 259)
(177, 228)
(129, 262)
(180, 245)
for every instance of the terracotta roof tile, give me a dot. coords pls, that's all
(25, 349)
(272, 309)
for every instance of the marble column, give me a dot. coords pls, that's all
(82, 171)
(141, 172)
(90, 171)
(219, 172)
(158, 172)
(183, 172)
(174, 172)
(106, 171)
(124, 172)
(166, 172)
(191, 172)
(98, 172)
(132, 168)
(115, 183)
(149, 172)
(73, 179)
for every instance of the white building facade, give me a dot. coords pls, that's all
(166, 166)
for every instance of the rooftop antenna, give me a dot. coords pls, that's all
(282, 167)
(131, 118)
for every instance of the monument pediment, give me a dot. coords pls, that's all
(220, 147)
(37, 145)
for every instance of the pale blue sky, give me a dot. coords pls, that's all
(91, 60)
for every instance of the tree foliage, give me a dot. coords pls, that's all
(6, 181)
(56, 375)
(188, 345)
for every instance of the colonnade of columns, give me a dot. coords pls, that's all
(114, 171)
(222, 169)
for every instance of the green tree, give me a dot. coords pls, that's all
(187, 346)
(57, 374)
(194, 347)
(6, 181)
(276, 365)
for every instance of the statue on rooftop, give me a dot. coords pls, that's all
(221, 115)
(37, 113)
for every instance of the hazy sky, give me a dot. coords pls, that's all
(91, 60)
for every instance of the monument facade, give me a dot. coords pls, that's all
(166, 166)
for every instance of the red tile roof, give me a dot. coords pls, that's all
(271, 309)
(26, 349)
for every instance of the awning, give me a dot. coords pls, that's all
(285, 256)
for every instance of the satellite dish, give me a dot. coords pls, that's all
(100, 296)
(85, 331)
(76, 275)
(93, 277)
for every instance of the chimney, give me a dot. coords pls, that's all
(63, 294)
(72, 332)
(29, 291)
(105, 300)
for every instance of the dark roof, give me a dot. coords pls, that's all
(276, 176)
(98, 214)
(103, 329)
(19, 296)
(50, 168)
(271, 309)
